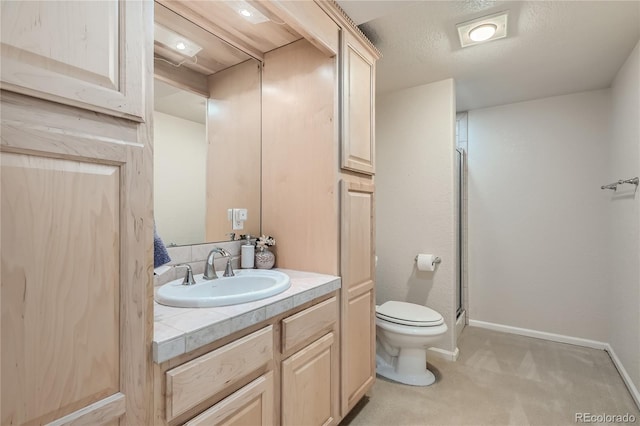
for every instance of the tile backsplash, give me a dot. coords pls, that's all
(195, 256)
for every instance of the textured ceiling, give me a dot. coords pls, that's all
(553, 47)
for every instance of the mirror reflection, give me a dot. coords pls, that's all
(206, 135)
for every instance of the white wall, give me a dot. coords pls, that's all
(179, 157)
(415, 202)
(624, 210)
(538, 235)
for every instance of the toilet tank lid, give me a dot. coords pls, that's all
(409, 312)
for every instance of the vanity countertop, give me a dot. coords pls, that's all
(180, 330)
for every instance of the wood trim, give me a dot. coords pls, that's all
(333, 9)
(99, 413)
(137, 321)
(64, 131)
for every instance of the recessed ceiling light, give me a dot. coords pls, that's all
(175, 41)
(247, 11)
(480, 30)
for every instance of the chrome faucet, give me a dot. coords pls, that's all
(188, 276)
(210, 270)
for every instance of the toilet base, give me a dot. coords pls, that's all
(421, 378)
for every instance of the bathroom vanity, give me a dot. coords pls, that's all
(272, 361)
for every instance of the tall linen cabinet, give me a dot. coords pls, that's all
(76, 202)
(318, 167)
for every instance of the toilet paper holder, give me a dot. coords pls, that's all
(436, 260)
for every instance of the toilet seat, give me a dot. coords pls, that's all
(408, 314)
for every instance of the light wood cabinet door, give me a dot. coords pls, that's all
(358, 79)
(76, 313)
(358, 292)
(310, 385)
(251, 405)
(85, 54)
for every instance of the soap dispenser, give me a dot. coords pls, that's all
(247, 253)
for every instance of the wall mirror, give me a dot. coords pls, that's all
(207, 130)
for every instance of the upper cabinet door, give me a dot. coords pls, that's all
(84, 54)
(358, 77)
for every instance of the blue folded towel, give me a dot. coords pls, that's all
(160, 254)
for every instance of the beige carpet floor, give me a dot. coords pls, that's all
(503, 379)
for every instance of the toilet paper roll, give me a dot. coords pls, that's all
(426, 262)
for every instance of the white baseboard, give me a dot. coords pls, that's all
(560, 338)
(633, 390)
(444, 354)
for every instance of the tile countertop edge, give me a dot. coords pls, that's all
(171, 340)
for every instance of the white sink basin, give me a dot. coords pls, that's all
(248, 285)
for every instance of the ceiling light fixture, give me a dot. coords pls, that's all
(247, 11)
(175, 41)
(480, 30)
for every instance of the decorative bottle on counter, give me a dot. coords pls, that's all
(247, 254)
(265, 259)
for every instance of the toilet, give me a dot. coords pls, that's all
(404, 332)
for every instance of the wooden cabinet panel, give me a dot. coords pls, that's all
(299, 157)
(309, 387)
(233, 114)
(251, 405)
(358, 278)
(53, 211)
(357, 234)
(75, 289)
(85, 54)
(358, 74)
(359, 369)
(197, 380)
(298, 329)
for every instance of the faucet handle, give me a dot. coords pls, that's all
(228, 270)
(188, 276)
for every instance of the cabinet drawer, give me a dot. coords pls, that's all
(251, 405)
(203, 377)
(303, 326)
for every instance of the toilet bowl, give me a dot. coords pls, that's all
(404, 332)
